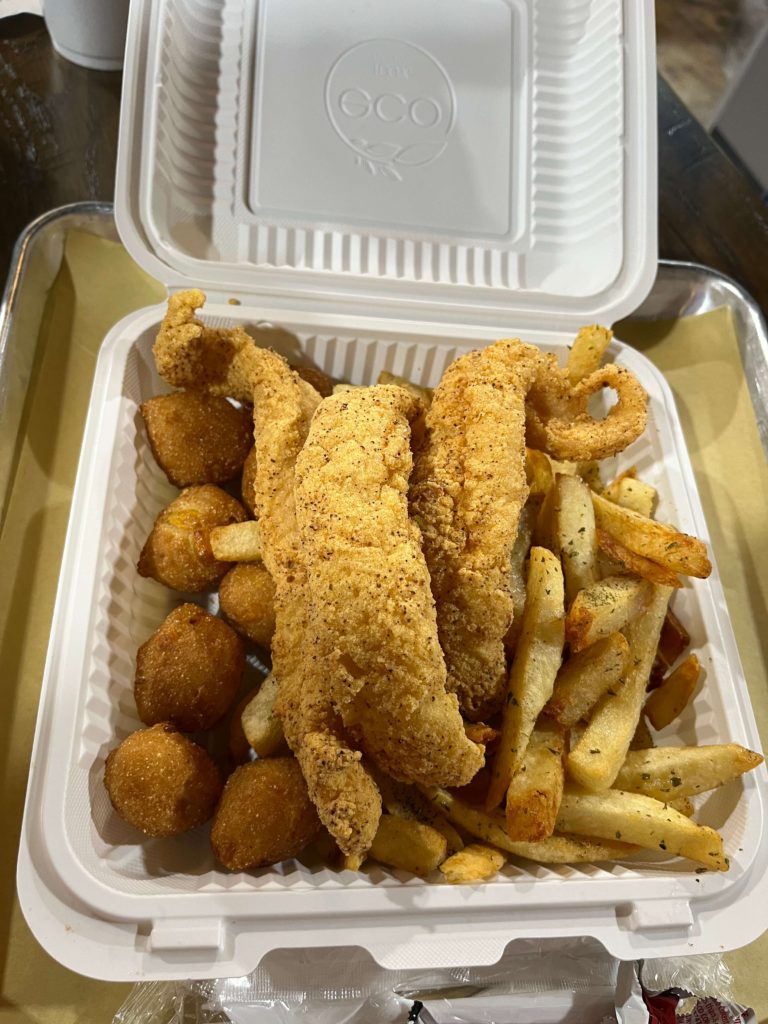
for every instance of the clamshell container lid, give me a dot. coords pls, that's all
(478, 161)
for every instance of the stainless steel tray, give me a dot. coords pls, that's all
(681, 289)
(35, 262)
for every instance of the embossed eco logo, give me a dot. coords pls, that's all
(392, 103)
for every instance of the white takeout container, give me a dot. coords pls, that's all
(379, 186)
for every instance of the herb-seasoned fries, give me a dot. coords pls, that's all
(671, 772)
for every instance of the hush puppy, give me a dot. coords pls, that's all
(178, 550)
(196, 438)
(161, 782)
(189, 671)
(264, 815)
(247, 601)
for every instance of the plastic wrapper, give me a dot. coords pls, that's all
(540, 982)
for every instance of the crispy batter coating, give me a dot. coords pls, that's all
(178, 550)
(369, 586)
(189, 671)
(218, 361)
(264, 815)
(161, 782)
(247, 601)
(248, 483)
(345, 795)
(468, 488)
(197, 438)
(558, 420)
(320, 381)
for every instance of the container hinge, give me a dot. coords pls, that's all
(186, 933)
(659, 915)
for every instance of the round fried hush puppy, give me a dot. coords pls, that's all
(247, 601)
(189, 671)
(197, 438)
(248, 483)
(264, 815)
(178, 550)
(161, 782)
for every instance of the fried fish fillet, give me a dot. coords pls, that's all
(346, 797)
(468, 488)
(228, 362)
(370, 587)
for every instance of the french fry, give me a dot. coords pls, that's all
(596, 759)
(475, 863)
(407, 801)
(585, 677)
(682, 805)
(408, 845)
(642, 740)
(237, 542)
(539, 473)
(575, 535)
(668, 700)
(638, 564)
(352, 861)
(534, 794)
(673, 640)
(544, 526)
(537, 659)
(479, 732)
(606, 607)
(424, 394)
(643, 821)
(489, 826)
(590, 474)
(517, 562)
(261, 726)
(340, 389)
(657, 541)
(629, 492)
(586, 353)
(666, 773)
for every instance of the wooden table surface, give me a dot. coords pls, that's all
(58, 138)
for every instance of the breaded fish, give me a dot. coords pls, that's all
(370, 587)
(468, 488)
(228, 362)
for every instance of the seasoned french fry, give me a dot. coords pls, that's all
(670, 772)
(261, 725)
(606, 607)
(489, 826)
(673, 640)
(575, 535)
(682, 805)
(642, 740)
(587, 352)
(340, 389)
(657, 541)
(544, 527)
(518, 558)
(596, 759)
(638, 564)
(425, 394)
(408, 845)
(539, 473)
(407, 801)
(643, 821)
(237, 542)
(585, 677)
(532, 676)
(475, 863)
(590, 474)
(668, 700)
(626, 490)
(534, 794)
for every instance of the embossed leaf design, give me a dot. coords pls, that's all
(391, 172)
(419, 153)
(381, 150)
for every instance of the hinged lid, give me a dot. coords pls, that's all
(488, 161)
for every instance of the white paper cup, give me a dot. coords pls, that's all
(88, 32)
